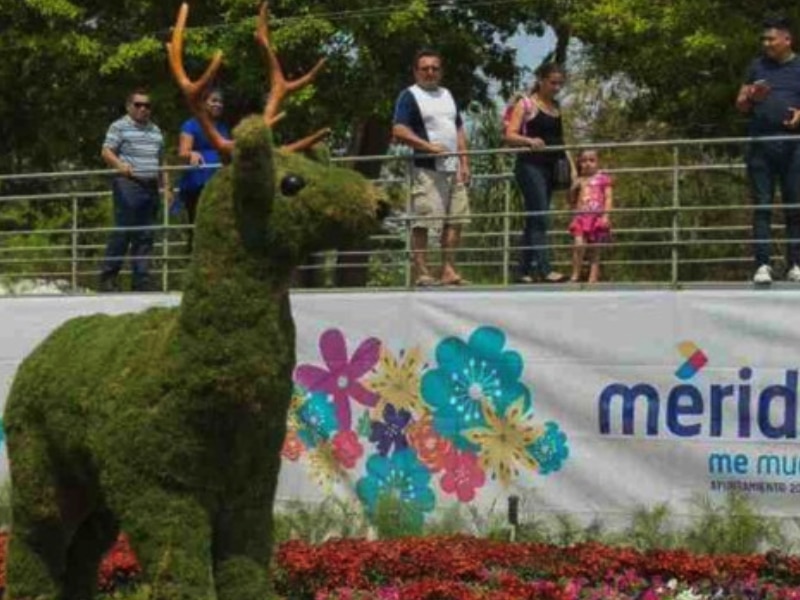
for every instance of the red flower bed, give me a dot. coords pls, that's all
(465, 568)
(118, 567)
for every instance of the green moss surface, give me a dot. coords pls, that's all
(168, 424)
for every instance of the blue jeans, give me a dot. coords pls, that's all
(135, 205)
(536, 184)
(768, 164)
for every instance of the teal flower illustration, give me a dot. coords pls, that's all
(401, 476)
(469, 375)
(550, 449)
(317, 418)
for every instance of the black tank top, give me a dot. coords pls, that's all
(550, 129)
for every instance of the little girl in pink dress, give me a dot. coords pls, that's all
(591, 199)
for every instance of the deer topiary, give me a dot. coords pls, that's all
(168, 424)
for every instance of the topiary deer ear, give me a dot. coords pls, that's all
(320, 153)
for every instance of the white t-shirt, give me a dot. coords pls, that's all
(439, 112)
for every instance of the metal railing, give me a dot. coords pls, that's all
(682, 215)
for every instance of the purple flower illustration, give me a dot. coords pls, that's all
(341, 379)
(390, 431)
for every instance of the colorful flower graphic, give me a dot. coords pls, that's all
(292, 446)
(364, 425)
(469, 376)
(390, 431)
(347, 449)
(401, 476)
(468, 419)
(396, 380)
(325, 467)
(317, 419)
(341, 379)
(502, 443)
(463, 475)
(431, 448)
(550, 450)
(299, 397)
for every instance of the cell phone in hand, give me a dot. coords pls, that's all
(759, 90)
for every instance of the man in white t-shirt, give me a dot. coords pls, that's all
(427, 119)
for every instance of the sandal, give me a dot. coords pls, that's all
(455, 281)
(426, 281)
(554, 277)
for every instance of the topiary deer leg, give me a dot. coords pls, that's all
(243, 541)
(172, 538)
(38, 543)
(92, 540)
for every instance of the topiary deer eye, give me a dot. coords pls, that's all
(292, 184)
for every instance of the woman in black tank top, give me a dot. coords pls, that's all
(535, 124)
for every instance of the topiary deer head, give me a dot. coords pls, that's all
(168, 424)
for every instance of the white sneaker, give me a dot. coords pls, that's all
(764, 275)
(793, 274)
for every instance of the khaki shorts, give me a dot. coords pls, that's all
(437, 196)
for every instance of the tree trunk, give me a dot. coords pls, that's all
(371, 137)
(563, 33)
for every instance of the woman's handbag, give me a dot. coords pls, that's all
(562, 174)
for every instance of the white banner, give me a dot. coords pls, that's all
(588, 403)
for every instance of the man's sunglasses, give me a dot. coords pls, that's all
(146, 105)
(430, 69)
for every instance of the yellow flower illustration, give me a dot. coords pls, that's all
(298, 397)
(503, 440)
(397, 381)
(324, 469)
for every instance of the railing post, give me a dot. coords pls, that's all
(676, 205)
(74, 243)
(506, 231)
(165, 243)
(409, 231)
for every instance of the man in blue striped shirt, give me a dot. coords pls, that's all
(134, 147)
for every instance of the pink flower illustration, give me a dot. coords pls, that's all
(347, 449)
(341, 379)
(462, 475)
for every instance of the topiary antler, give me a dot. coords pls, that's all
(280, 87)
(193, 90)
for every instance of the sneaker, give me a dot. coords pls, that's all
(143, 285)
(108, 283)
(763, 275)
(793, 274)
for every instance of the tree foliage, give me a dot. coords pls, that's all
(686, 58)
(69, 63)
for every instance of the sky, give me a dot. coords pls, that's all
(531, 50)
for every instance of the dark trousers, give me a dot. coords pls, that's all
(191, 198)
(135, 205)
(770, 164)
(536, 184)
